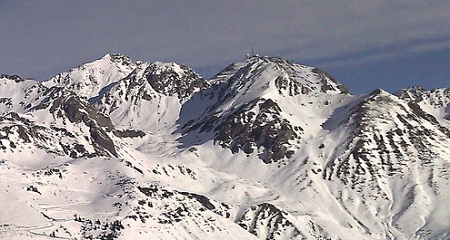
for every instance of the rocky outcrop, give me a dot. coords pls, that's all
(173, 79)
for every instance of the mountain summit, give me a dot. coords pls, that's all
(252, 106)
(89, 79)
(266, 149)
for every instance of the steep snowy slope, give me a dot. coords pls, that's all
(397, 161)
(151, 96)
(61, 124)
(91, 79)
(366, 154)
(435, 102)
(17, 94)
(267, 149)
(258, 107)
(50, 161)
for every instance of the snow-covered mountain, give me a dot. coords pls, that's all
(257, 106)
(267, 149)
(90, 80)
(435, 102)
(156, 88)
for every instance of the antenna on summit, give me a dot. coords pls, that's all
(252, 54)
(248, 55)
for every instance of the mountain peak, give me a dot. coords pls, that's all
(287, 78)
(174, 79)
(249, 104)
(380, 92)
(276, 59)
(89, 79)
(118, 58)
(270, 150)
(15, 78)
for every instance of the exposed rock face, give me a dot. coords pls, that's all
(252, 126)
(391, 137)
(14, 78)
(435, 102)
(174, 79)
(244, 113)
(248, 131)
(268, 222)
(129, 133)
(18, 133)
(67, 106)
(267, 149)
(64, 107)
(328, 82)
(76, 110)
(265, 221)
(160, 88)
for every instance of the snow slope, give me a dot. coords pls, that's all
(90, 80)
(267, 149)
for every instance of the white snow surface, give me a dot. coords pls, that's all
(363, 167)
(91, 79)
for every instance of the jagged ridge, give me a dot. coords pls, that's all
(266, 149)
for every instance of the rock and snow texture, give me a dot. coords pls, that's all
(256, 106)
(92, 79)
(150, 97)
(267, 149)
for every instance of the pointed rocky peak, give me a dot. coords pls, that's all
(174, 79)
(328, 82)
(131, 88)
(267, 221)
(228, 72)
(248, 102)
(5, 78)
(119, 59)
(377, 102)
(148, 80)
(154, 90)
(266, 74)
(88, 80)
(380, 94)
(379, 106)
(270, 78)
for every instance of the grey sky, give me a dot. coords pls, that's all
(346, 38)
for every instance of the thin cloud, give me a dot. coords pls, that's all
(385, 53)
(42, 38)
